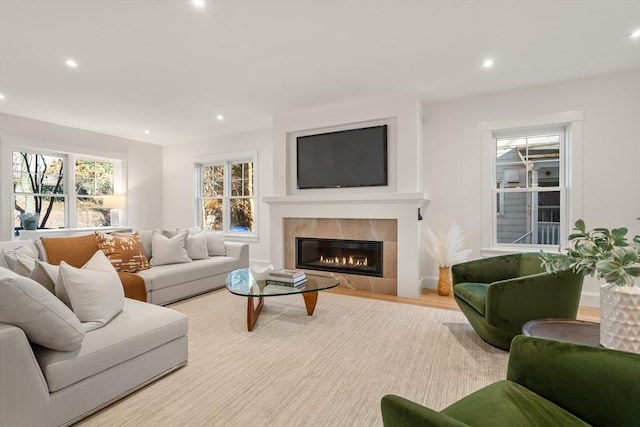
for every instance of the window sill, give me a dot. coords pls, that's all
(57, 232)
(502, 250)
(238, 237)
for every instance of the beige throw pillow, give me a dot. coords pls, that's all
(94, 291)
(169, 250)
(20, 260)
(196, 246)
(215, 243)
(45, 320)
(46, 275)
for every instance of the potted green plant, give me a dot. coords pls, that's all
(608, 255)
(29, 221)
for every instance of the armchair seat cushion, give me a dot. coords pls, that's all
(474, 294)
(507, 403)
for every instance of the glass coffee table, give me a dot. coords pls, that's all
(241, 282)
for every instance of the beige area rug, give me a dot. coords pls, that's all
(330, 369)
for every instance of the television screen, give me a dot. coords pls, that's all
(349, 158)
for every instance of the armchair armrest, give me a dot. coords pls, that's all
(24, 394)
(513, 302)
(400, 412)
(486, 270)
(598, 385)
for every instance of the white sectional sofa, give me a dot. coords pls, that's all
(44, 387)
(143, 342)
(172, 282)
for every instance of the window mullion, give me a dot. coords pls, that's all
(70, 190)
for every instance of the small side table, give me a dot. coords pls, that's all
(575, 331)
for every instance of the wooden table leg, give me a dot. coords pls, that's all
(310, 299)
(253, 313)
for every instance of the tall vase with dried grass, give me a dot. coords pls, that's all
(446, 250)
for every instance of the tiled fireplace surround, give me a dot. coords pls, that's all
(384, 230)
(391, 218)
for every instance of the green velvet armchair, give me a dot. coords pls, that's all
(500, 294)
(549, 383)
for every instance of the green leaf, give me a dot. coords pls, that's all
(579, 225)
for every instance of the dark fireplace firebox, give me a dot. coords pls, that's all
(340, 256)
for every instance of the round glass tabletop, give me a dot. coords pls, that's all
(241, 282)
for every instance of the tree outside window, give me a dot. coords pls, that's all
(38, 187)
(40, 184)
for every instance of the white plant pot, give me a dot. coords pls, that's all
(620, 317)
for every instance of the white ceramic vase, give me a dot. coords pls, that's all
(620, 317)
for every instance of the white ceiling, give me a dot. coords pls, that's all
(166, 66)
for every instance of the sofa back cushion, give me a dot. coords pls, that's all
(75, 250)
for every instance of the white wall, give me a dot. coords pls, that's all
(180, 185)
(143, 163)
(611, 184)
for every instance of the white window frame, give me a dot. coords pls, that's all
(570, 175)
(68, 171)
(226, 160)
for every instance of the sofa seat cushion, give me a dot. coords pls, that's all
(137, 329)
(507, 403)
(164, 276)
(474, 294)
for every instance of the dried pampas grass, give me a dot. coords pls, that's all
(446, 249)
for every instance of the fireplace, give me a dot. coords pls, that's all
(362, 257)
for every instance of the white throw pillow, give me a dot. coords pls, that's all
(46, 275)
(169, 250)
(215, 243)
(20, 260)
(44, 319)
(94, 291)
(196, 246)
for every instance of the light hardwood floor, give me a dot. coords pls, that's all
(430, 298)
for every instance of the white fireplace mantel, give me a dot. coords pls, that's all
(403, 207)
(419, 199)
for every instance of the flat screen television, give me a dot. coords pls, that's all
(348, 158)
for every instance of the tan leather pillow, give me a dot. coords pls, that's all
(125, 252)
(74, 250)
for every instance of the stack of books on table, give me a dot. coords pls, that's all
(287, 278)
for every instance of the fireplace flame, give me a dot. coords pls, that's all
(345, 261)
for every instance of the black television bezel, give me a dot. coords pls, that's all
(385, 139)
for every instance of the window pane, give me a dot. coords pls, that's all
(531, 161)
(207, 181)
(218, 176)
(37, 173)
(49, 210)
(529, 218)
(90, 213)
(242, 179)
(212, 214)
(94, 178)
(85, 186)
(242, 212)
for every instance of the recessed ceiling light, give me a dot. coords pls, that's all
(71, 63)
(220, 117)
(1, 96)
(635, 35)
(147, 131)
(199, 3)
(487, 63)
